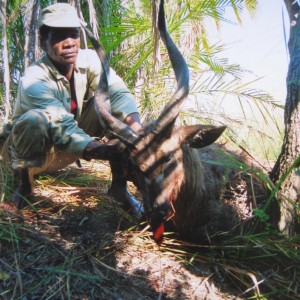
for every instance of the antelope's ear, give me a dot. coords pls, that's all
(199, 136)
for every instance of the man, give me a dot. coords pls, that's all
(54, 120)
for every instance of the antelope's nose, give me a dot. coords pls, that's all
(157, 219)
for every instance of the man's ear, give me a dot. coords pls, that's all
(199, 136)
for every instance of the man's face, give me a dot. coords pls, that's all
(62, 45)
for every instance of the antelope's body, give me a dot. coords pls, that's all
(200, 211)
(166, 160)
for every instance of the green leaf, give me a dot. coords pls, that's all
(4, 276)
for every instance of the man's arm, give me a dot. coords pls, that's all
(121, 99)
(37, 93)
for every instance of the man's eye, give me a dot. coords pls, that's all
(75, 35)
(63, 36)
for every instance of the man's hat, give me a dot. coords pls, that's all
(60, 15)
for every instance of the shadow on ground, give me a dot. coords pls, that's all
(77, 243)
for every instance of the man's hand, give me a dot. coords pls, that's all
(107, 151)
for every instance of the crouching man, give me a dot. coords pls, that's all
(54, 122)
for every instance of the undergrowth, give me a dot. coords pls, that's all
(69, 247)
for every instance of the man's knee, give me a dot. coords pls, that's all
(30, 137)
(31, 120)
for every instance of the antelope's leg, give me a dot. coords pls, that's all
(118, 188)
(119, 167)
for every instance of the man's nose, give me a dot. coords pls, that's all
(69, 42)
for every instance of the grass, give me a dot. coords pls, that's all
(263, 265)
(83, 245)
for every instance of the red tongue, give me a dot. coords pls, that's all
(158, 234)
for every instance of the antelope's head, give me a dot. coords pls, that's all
(155, 151)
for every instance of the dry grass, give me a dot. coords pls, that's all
(77, 243)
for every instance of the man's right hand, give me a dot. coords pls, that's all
(107, 151)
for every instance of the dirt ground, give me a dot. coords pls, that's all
(78, 243)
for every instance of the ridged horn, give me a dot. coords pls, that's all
(171, 110)
(102, 99)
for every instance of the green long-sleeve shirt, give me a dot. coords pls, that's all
(43, 87)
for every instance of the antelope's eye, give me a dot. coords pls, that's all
(169, 158)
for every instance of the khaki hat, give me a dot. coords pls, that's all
(60, 15)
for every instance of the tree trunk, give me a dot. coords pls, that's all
(4, 57)
(31, 48)
(286, 170)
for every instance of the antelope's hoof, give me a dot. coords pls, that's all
(127, 201)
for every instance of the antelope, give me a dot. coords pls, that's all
(170, 175)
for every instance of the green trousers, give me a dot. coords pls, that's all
(29, 144)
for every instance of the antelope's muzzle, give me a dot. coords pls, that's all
(157, 220)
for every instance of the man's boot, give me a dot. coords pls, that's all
(25, 190)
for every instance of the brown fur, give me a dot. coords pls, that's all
(198, 209)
